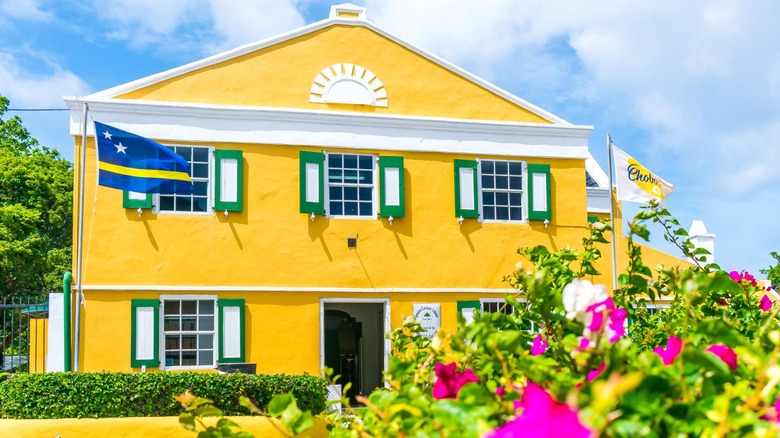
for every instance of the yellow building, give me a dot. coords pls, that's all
(343, 179)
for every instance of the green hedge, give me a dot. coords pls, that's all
(101, 395)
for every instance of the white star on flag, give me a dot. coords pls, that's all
(120, 149)
(107, 135)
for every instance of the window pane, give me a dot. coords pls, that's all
(189, 307)
(200, 154)
(206, 323)
(489, 213)
(515, 199)
(183, 203)
(350, 176)
(350, 193)
(364, 193)
(516, 183)
(206, 341)
(201, 188)
(172, 342)
(515, 168)
(206, 307)
(171, 308)
(335, 175)
(336, 193)
(366, 177)
(502, 183)
(336, 208)
(365, 209)
(166, 203)
(199, 170)
(489, 198)
(172, 359)
(502, 198)
(185, 152)
(334, 160)
(201, 204)
(515, 214)
(188, 358)
(350, 209)
(189, 342)
(488, 182)
(366, 162)
(188, 324)
(502, 168)
(487, 167)
(172, 323)
(502, 187)
(502, 213)
(205, 358)
(350, 161)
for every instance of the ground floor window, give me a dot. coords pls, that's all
(189, 332)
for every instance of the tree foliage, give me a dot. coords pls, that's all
(36, 204)
(773, 272)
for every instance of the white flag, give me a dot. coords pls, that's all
(635, 183)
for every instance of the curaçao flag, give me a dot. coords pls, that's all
(130, 162)
(637, 184)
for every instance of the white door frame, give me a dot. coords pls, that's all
(385, 308)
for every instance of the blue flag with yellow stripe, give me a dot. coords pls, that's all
(130, 162)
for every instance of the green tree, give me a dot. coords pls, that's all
(773, 272)
(36, 205)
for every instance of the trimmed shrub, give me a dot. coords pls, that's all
(101, 395)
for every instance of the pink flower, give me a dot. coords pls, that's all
(584, 344)
(725, 354)
(615, 319)
(671, 351)
(450, 380)
(540, 346)
(543, 417)
(592, 374)
(742, 276)
(766, 303)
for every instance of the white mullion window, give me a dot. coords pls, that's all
(201, 173)
(189, 334)
(351, 181)
(501, 187)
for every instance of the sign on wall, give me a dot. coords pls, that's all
(429, 315)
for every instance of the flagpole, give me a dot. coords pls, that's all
(80, 256)
(612, 216)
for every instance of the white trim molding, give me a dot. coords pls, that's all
(598, 199)
(207, 123)
(298, 289)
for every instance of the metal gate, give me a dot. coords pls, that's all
(23, 334)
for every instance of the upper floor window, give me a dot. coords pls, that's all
(501, 190)
(200, 173)
(351, 180)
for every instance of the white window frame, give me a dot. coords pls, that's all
(524, 195)
(185, 297)
(209, 187)
(500, 301)
(374, 186)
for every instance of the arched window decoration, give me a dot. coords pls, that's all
(349, 84)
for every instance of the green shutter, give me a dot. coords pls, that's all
(539, 193)
(466, 204)
(229, 180)
(138, 200)
(471, 304)
(144, 333)
(312, 182)
(391, 186)
(231, 330)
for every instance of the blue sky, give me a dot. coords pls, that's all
(690, 89)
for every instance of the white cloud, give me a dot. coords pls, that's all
(239, 22)
(37, 90)
(23, 10)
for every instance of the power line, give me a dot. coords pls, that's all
(37, 109)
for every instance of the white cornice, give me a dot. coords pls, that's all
(167, 121)
(248, 48)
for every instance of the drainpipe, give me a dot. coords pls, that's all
(66, 280)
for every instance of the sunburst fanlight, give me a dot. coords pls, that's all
(348, 83)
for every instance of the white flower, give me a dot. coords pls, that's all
(579, 294)
(599, 225)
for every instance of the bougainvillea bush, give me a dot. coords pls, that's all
(572, 360)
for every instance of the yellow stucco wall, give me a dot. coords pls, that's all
(247, 248)
(282, 75)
